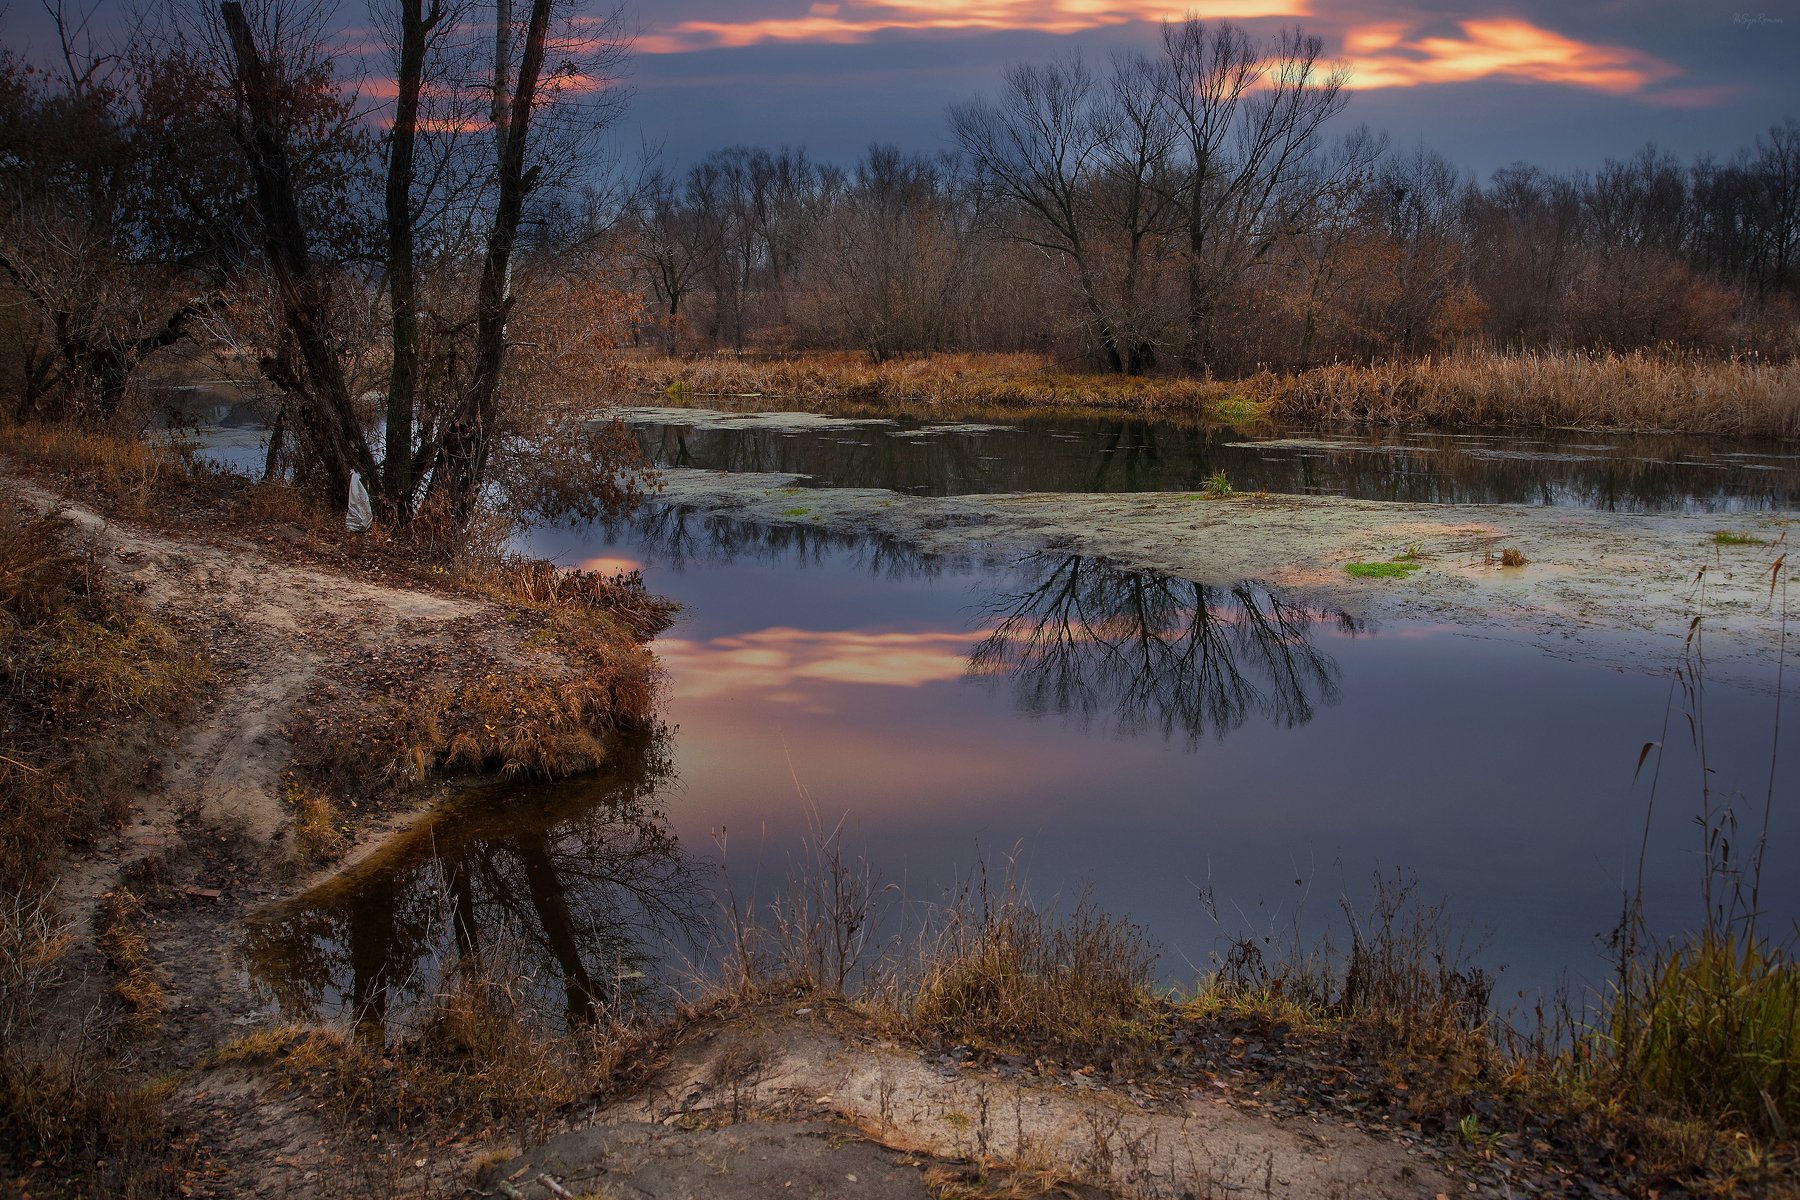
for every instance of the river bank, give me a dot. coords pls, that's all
(1183, 1097)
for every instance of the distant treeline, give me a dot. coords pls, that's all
(1197, 210)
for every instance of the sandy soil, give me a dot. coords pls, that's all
(799, 1063)
(1589, 575)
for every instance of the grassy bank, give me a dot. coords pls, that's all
(1679, 1078)
(1677, 393)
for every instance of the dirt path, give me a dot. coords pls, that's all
(209, 836)
(270, 629)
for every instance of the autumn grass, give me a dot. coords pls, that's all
(958, 382)
(997, 969)
(319, 828)
(118, 933)
(1747, 397)
(479, 1055)
(81, 665)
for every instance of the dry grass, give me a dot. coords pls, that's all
(1405, 980)
(119, 938)
(996, 969)
(1683, 393)
(133, 476)
(985, 966)
(955, 381)
(481, 1055)
(319, 834)
(80, 665)
(1642, 390)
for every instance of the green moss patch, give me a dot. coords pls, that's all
(1382, 570)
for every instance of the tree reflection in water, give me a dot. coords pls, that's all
(580, 887)
(679, 534)
(1083, 637)
(1074, 635)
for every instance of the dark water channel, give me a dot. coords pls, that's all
(1213, 761)
(1569, 468)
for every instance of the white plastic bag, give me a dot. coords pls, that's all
(358, 517)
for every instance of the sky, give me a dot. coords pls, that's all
(1487, 82)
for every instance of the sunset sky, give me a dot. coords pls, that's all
(1487, 83)
(1553, 83)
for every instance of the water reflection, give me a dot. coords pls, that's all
(581, 888)
(1567, 468)
(1074, 636)
(676, 535)
(1083, 637)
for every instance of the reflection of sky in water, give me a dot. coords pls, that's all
(1500, 773)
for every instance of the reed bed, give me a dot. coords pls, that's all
(944, 380)
(1745, 397)
(1688, 394)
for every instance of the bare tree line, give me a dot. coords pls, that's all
(1194, 210)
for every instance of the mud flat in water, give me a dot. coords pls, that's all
(1588, 574)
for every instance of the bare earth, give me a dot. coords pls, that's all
(798, 1064)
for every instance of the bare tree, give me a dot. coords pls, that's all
(447, 327)
(1034, 146)
(888, 261)
(1249, 117)
(72, 179)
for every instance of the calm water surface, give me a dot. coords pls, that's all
(1568, 468)
(1212, 761)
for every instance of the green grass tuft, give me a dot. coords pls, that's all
(1731, 537)
(1382, 570)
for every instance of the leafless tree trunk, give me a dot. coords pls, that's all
(463, 452)
(416, 25)
(331, 418)
(1250, 117)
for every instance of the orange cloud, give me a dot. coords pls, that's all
(1386, 55)
(857, 20)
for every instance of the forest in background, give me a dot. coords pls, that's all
(1075, 222)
